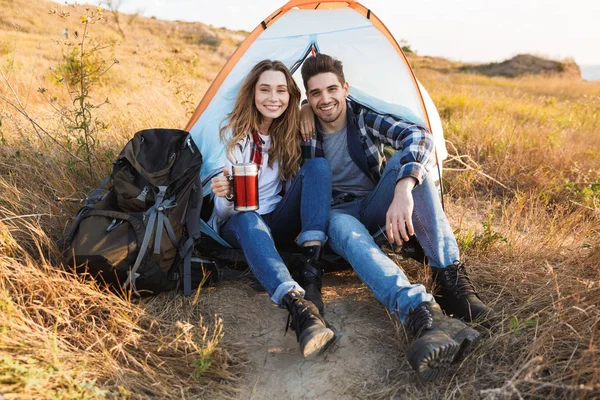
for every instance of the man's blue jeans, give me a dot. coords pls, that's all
(303, 212)
(351, 225)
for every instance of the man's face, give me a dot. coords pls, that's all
(327, 96)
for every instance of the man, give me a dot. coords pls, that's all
(369, 194)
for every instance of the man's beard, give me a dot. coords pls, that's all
(332, 117)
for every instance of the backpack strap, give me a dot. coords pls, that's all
(186, 250)
(82, 212)
(163, 221)
(133, 271)
(86, 211)
(192, 225)
(152, 214)
(98, 194)
(136, 224)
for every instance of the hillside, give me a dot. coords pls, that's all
(157, 59)
(522, 192)
(527, 64)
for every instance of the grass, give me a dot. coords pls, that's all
(61, 336)
(523, 195)
(64, 337)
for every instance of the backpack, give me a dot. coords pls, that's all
(139, 234)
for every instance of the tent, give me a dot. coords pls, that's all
(377, 70)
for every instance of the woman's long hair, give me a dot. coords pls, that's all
(284, 130)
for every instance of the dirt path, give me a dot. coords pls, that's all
(370, 351)
(368, 360)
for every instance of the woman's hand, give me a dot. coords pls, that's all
(307, 122)
(221, 185)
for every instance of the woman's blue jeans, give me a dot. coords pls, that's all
(301, 215)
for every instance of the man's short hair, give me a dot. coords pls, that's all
(320, 64)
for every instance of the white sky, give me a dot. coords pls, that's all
(464, 30)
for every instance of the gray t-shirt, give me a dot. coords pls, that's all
(347, 177)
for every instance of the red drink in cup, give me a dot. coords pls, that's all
(245, 187)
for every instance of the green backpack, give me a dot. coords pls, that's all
(139, 234)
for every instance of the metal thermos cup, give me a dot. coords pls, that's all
(245, 187)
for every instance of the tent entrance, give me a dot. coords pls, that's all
(312, 49)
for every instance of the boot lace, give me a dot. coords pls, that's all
(310, 273)
(457, 276)
(419, 319)
(298, 314)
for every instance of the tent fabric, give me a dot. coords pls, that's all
(374, 65)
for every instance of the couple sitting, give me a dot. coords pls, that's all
(343, 160)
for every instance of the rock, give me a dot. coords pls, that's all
(527, 64)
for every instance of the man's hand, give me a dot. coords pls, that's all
(220, 185)
(307, 122)
(399, 224)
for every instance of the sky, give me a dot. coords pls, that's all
(461, 30)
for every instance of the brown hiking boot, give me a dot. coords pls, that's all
(457, 296)
(310, 327)
(438, 341)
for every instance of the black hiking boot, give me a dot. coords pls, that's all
(456, 295)
(438, 340)
(310, 274)
(310, 327)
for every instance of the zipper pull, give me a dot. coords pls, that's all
(189, 144)
(143, 194)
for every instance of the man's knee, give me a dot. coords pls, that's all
(318, 166)
(344, 228)
(427, 188)
(394, 161)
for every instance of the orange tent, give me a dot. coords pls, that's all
(377, 70)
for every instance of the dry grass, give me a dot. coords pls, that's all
(523, 182)
(62, 337)
(531, 233)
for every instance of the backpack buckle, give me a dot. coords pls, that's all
(113, 225)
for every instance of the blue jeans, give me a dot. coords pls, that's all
(301, 216)
(351, 225)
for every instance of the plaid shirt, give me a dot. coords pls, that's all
(256, 149)
(249, 150)
(369, 131)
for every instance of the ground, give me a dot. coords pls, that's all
(367, 350)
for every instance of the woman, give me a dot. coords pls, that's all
(263, 128)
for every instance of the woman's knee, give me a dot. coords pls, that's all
(248, 221)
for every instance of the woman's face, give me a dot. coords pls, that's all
(271, 95)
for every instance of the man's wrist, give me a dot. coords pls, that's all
(407, 183)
